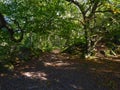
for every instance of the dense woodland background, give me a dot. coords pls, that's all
(59, 44)
(87, 28)
(83, 27)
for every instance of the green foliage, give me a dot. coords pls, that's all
(59, 24)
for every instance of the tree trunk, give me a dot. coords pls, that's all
(87, 40)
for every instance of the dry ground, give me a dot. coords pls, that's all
(63, 72)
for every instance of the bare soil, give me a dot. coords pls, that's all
(63, 72)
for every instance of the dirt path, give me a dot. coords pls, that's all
(62, 72)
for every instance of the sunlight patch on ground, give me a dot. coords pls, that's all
(37, 75)
(77, 88)
(56, 64)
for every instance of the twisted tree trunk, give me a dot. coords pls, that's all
(4, 24)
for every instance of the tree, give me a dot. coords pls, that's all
(57, 23)
(91, 10)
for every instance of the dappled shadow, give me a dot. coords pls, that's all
(62, 72)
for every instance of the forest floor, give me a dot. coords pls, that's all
(63, 72)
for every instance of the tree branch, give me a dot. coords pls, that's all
(88, 9)
(93, 9)
(104, 11)
(78, 5)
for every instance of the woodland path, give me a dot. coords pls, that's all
(62, 72)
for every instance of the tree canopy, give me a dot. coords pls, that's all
(51, 24)
(60, 44)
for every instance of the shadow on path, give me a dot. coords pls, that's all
(57, 74)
